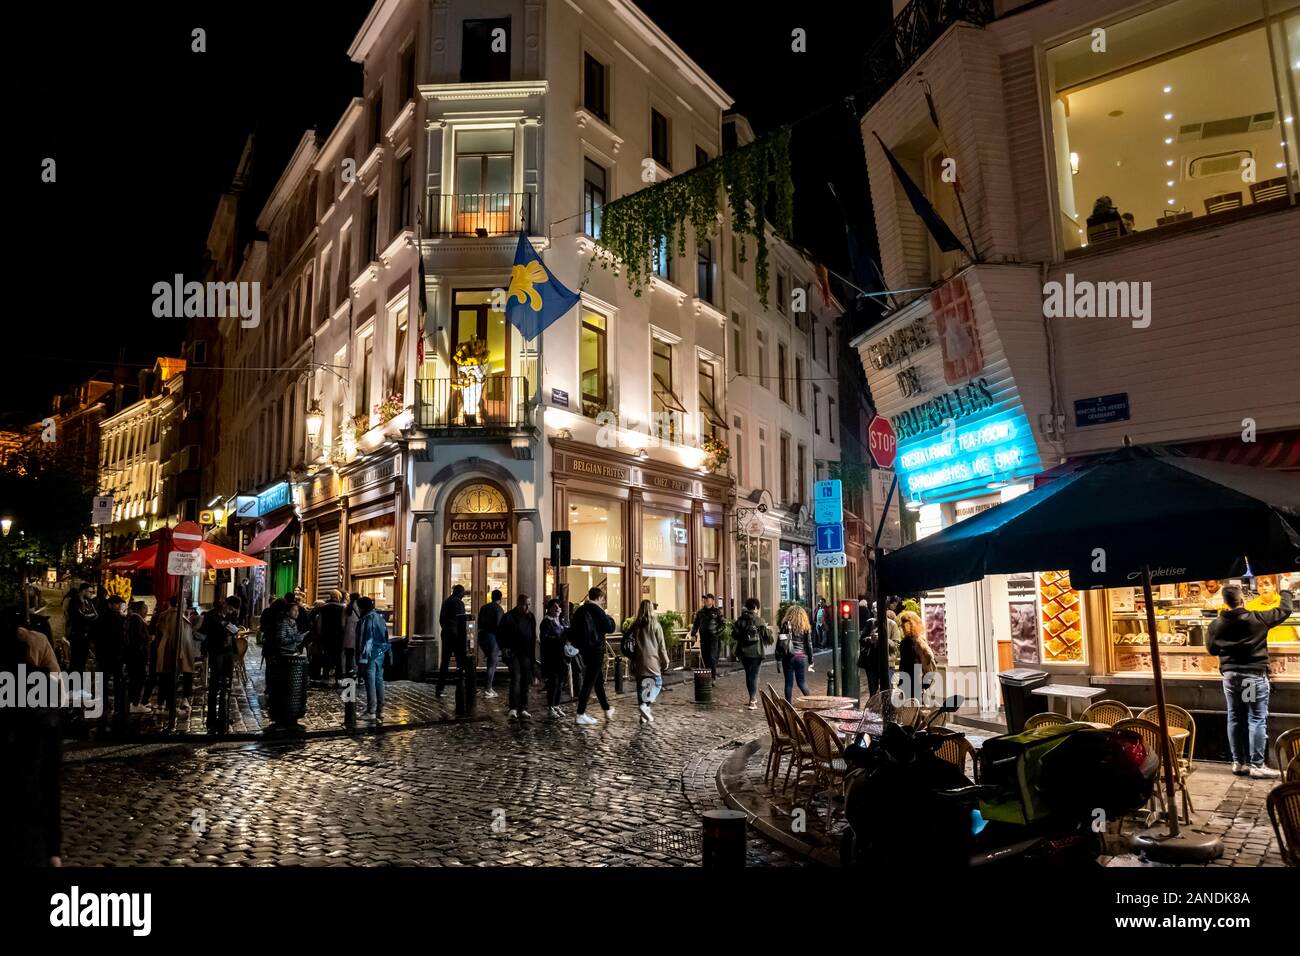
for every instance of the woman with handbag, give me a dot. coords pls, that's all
(799, 662)
(915, 659)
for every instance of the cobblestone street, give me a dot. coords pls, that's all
(486, 792)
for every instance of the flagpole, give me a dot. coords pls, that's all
(956, 186)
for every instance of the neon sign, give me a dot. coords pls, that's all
(961, 458)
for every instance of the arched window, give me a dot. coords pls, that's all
(479, 498)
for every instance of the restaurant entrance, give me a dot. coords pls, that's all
(478, 538)
(481, 571)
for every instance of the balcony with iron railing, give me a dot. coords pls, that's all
(914, 30)
(498, 403)
(465, 215)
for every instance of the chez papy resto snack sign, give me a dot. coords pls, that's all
(479, 529)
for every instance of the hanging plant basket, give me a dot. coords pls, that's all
(633, 226)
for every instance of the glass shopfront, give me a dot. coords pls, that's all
(665, 535)
(794, 574)
(1184, 613)
(373, 561)
(597, 549)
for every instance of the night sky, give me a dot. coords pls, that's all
(146, 135)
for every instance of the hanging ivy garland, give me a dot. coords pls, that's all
(633, 226)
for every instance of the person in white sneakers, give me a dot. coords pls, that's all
(1239, 638)
(649, 656)
(587, 631)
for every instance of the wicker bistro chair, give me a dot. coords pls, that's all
(1292, 772)
(908, 712)
(803, 759)
(828, 754)
(1284, 812)
(1175, 716)
(782, 744)
(1287, 747)
(1048, 719)
(956, 749)
(1150, 734)
(1106, 712)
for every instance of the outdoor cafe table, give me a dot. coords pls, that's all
(825, 703)
(1069, 692)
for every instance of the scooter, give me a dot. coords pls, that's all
(1043, 796)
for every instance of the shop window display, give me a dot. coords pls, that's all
(1184, 613)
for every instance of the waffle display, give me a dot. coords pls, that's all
(1062, 632)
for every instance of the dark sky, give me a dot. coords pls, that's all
(146, 134)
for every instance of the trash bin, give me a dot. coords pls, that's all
(286, 688)
(1017, 700)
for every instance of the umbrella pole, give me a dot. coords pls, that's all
(882, 614)
(1166, 756)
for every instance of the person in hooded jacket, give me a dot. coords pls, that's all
(351, 618)
(517, 634)
(649, 660)
(376, 651)
(555, 666)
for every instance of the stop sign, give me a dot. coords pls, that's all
(187, 536)
(882, 441)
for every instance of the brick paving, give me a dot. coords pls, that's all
(484, 792)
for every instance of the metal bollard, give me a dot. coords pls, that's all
(460, 694)
(618, 675)
(724, 839)
(471, 680)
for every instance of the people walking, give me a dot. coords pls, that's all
(1239, 638)
(451, 622)
(376, 651)
(820, 624)
(329, 625)
(351, 618)
(110, 647)
(649, 659)
(555, 666)
(752, 635)
(136, 657)
(517, 634)
(489, 621)
(915, 659)
(708, 624)
(218, 632)
(589, 626)
(799, 661)
(870, 647)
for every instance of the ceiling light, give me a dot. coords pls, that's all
(1168, 140)
(1169, 182)
(1169, 89)
(1169, 116)
(1289, 119)
(1279, 165)
(1074, 163)
(1169, 201)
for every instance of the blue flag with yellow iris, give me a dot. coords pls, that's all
(535, 298)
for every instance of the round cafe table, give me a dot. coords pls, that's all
(825, 703)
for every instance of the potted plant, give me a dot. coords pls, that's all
(390, 408)
(360, 423)
(716, 453)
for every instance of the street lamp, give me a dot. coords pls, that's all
(315, 419)
(5, 524)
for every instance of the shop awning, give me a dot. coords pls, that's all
(263, 539)
(136, 560)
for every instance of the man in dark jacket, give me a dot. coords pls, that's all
(1239, 638)
(451, 621)
(708, 624)
(81, 617)
(218, 633)
(329, 620)
(110, 648)
(517, 634)
(489, 621)
(587, 630)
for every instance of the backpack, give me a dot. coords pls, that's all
(627, 646)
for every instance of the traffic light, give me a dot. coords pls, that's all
(560, 544)
(846, 610)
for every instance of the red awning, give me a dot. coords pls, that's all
(135, 560)
(262, 540)
(1280, 450)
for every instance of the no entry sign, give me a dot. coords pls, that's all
(882, 441)
(187, 536)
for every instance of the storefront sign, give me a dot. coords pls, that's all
(899, 344)
(478, 530)
(277, 496)
(959, 403)
(961, 458)
(668, 484)
(1101, 410)
(559, 398)
(245, 506)
(581, 466)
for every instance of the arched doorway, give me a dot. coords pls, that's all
(478, 537)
